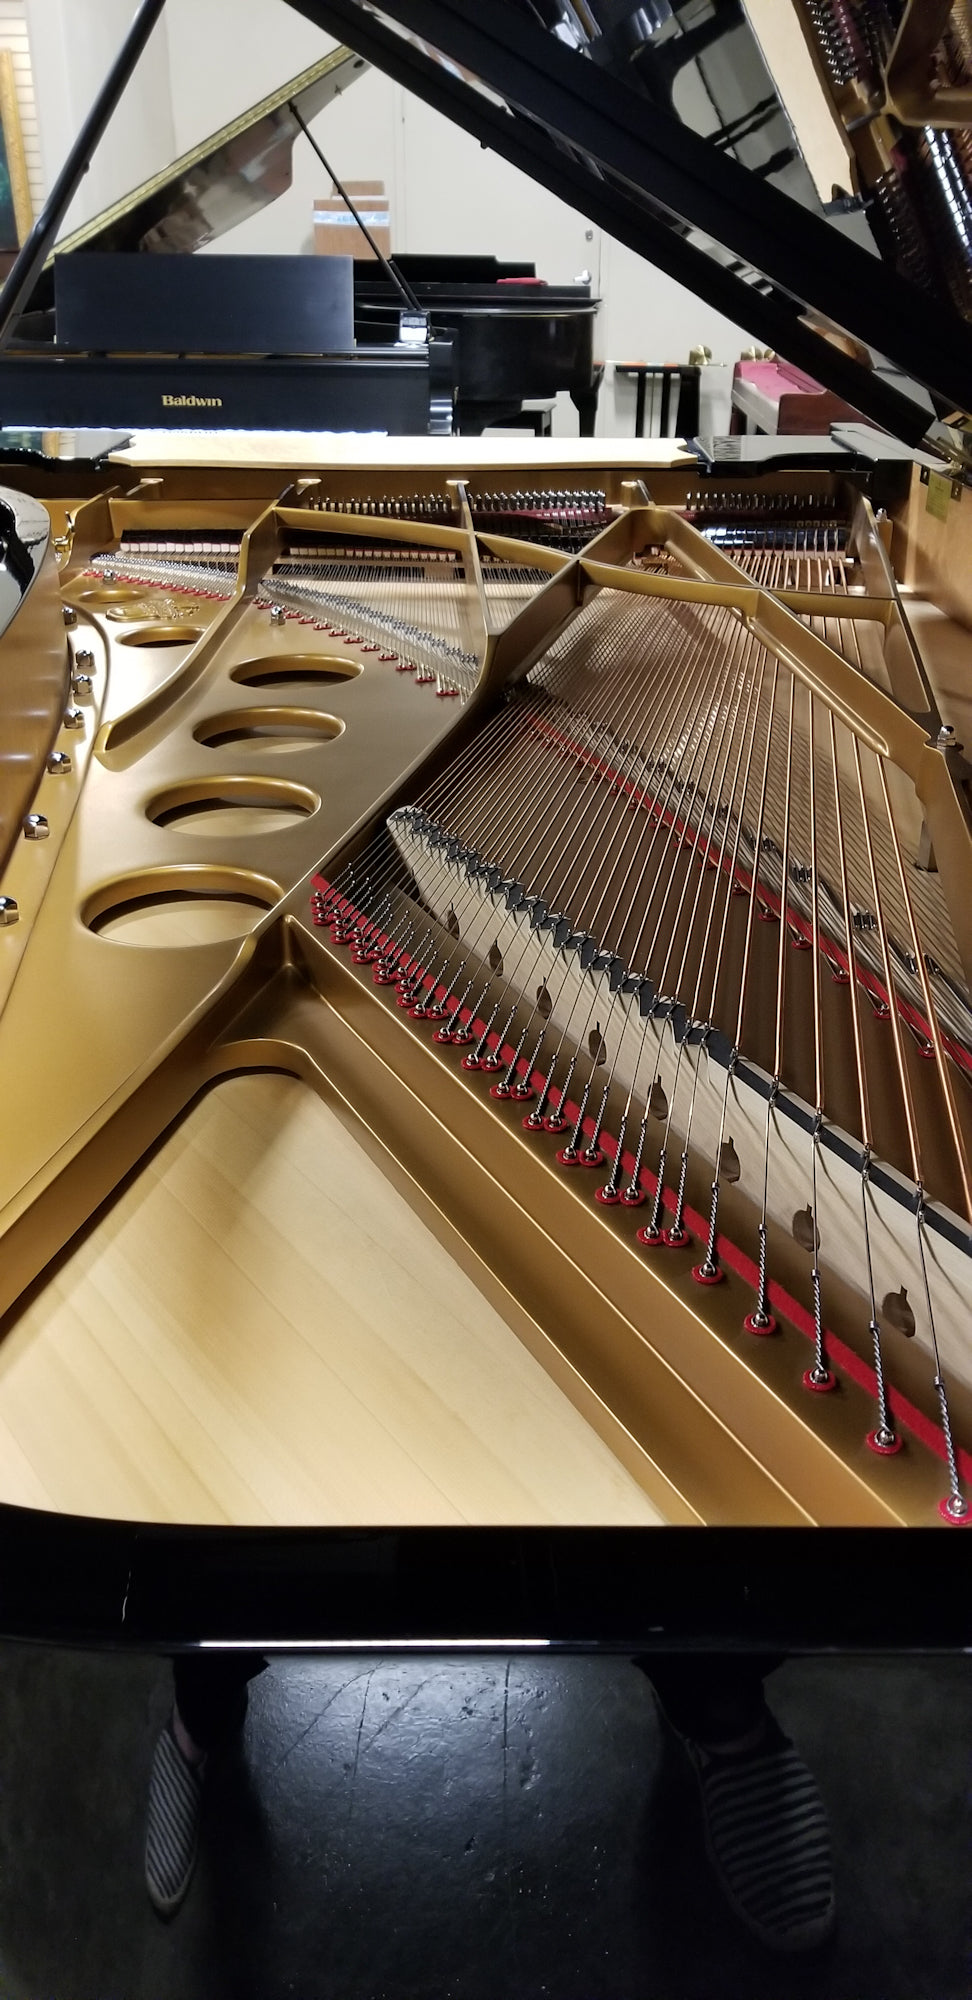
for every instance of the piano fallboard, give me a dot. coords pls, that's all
(403, 392)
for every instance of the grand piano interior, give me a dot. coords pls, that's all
(486, 956)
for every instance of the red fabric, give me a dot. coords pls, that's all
(775, 376)
(803, 407)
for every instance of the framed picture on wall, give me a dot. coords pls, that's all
(16, 214)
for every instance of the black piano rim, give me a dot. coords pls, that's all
(80, 1581)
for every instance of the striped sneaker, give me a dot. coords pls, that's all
(767, 1838)
(172, 1834)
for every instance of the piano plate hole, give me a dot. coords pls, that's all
(306, 669)
(232, 805)
(140, 613)
(116, 593)
(283, 728)
(187, 905)
(162, 635)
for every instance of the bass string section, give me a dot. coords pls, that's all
(420, 616)
(667, 905)
(416, 606)
(420, 598)
(432, 615)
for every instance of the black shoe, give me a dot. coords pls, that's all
(172, 1833)
(767, 1838)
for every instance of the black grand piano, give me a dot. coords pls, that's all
(573, 106)
(495, 336)
(515, 339)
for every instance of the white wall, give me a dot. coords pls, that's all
(227, 54)
(72, 45)
(211, 58)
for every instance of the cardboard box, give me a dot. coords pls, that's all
(337, 234)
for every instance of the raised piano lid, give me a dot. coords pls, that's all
(711, 184)
(220, 182)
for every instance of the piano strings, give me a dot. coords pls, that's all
(583, 903)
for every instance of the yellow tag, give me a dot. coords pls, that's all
(939, 495)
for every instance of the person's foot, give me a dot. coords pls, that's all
(174, 1809)
(767, 1836)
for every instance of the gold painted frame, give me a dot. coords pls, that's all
(13, 142)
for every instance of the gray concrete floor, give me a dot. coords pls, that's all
(432, 1828)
